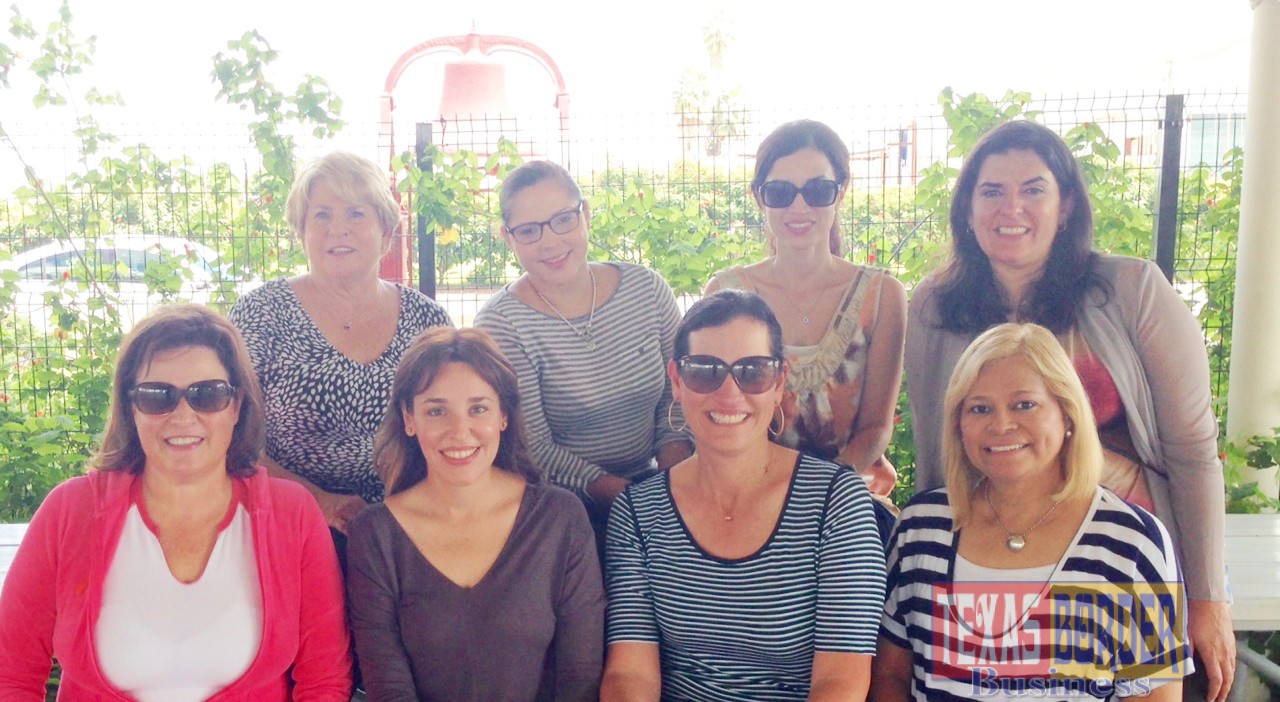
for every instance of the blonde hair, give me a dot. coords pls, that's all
(353, 178)
(1081, 455)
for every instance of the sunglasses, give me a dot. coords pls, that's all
(162, 398)
(561, 223)
(819, 192)
(705, 374)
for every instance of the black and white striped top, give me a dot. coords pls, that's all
(1083, 617)
(748, 628)
(589, 412)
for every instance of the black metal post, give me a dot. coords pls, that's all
(1171, 162)
(426, 239)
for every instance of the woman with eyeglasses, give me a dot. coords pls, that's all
(749, 571)
(842, 323)
(176, 569)
(589, 341)
(475, 579)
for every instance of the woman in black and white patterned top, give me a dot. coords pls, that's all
(325, 344)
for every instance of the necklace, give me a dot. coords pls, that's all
(585, 332)
(1015, 542)
(728, 514)
(804, 313)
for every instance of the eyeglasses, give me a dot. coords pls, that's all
(705, 374)
(162, 398)
(561, 223)
(819, 192)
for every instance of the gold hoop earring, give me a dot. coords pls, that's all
(680, 429)
(782, 422)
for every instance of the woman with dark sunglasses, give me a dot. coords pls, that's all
(842, 323)
(175, 569)
(589, 341)
(749, 570)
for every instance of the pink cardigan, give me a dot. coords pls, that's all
(53, 594)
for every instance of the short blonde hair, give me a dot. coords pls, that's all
(1081, 454)
(353, 178)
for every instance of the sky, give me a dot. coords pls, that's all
(628, 56)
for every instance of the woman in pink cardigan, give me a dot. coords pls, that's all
(175, 569)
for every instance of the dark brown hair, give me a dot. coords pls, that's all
(724, 306)
(174, 327)
(792, 137)
(968, 299)
(397, 455)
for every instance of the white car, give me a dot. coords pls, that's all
(120, 261)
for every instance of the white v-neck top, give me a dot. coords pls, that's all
(158, 639)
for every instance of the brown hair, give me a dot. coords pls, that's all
(792, 137)
(173, 327)
(968, 299)
(396, 455)
(529, 174)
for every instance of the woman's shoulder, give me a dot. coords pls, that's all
(818, 475)
(1114, 512)
(554, 498)
(554, 506)
(930, 503)
(649, 496)
(643, 277)
(502, 304)
(277, 495)
(93, 487)
(733, 278)
(1112, 266)
(417, 304)
(264, 298)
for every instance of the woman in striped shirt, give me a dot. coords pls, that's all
(1023, 578)
(748, 571)
(589, 342)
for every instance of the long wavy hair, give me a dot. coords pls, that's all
(791, 137)
(396, 455)
(968, 294)
(174, 327)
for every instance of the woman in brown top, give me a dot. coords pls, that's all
(474, 580)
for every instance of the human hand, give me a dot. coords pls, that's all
(881, 477)
(1209, 628)
(605, 489)
(339, 509)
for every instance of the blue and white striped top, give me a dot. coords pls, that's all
(747, 629)
(586, 411)
(1109, 621)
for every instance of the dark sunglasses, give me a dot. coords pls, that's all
(162, 398)
(705, 374)
(561, 223)
(819, 192)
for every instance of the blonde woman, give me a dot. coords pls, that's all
(1022, 514)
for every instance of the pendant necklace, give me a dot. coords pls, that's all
(804, 313)
(728, 514)
(1014, 542)
(585, 332)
